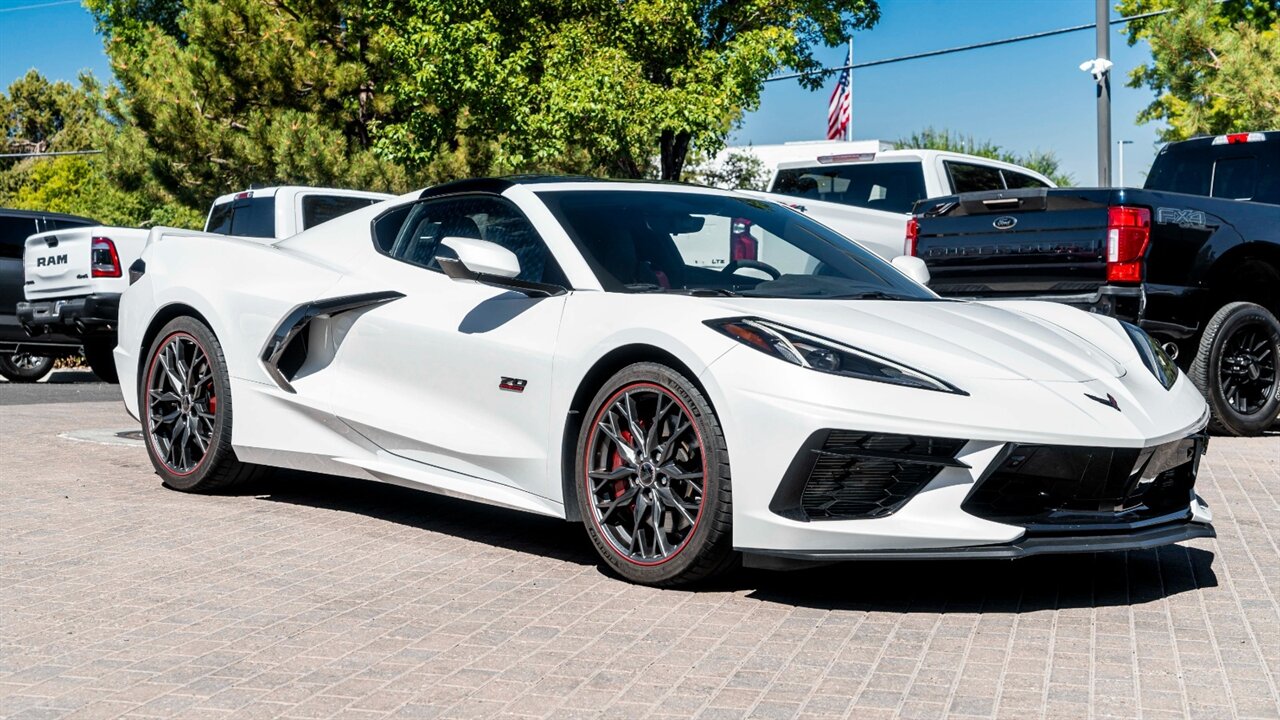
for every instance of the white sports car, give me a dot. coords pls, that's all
(698, 376)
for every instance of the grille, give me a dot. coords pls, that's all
(1053, 488)
(868, 475)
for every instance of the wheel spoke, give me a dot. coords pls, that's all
(612, 475)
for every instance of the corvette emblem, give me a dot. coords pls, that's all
(1108, 401)
(1004, 222)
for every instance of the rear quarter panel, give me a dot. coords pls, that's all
(240, 288)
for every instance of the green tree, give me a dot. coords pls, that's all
(1215, 65)
(114, 185)
(1044, 162)
(593, 85)
(234, 92)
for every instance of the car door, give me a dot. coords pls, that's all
(456, 374)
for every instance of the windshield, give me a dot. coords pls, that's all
(704, 243)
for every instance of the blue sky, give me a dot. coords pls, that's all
(1023, 96)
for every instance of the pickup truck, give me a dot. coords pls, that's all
(24, 358)
(1193, 258)
(74, 276)
(865, 189)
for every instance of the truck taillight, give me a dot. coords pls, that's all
(104, 258)
(1236, 138)
(913, 234)
(1128, 235)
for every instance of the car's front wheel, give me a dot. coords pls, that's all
(24, 367)
(1236, 368)
(185, 402)
(653, 479)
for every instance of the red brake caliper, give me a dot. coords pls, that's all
(619, 485)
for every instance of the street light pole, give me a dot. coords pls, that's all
(1120, 146)
(1103, 37)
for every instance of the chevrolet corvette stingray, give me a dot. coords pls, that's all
(700, 377)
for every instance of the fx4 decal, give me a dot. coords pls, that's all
(1180, 217)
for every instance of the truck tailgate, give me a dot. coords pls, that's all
(59, 263)
(1015, 243)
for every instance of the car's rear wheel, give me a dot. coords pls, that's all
(24, 367)
(97, 353)
(653, 479)
(1236, 368)
(185, 401)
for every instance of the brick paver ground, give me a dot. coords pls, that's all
(315, 597)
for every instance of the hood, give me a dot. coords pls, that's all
(950, 339)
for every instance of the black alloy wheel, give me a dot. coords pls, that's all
(654, 481)
(182, 403)
(23, 367)
(184, 398)
(1236, 369)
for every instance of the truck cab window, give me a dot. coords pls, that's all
(966, 177)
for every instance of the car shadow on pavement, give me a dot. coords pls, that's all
(464, 519)
(1027, 585)
(931, 586)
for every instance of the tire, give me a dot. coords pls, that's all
(97, 353)
(202, 399)
(687, 537)
(24, 367)
(1236, 369)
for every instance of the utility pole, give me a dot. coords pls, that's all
(1103, 8)
(1120, 147)
(848, 133)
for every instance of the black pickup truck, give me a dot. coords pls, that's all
(1193, 258)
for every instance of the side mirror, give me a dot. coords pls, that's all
(482, 256)
(913, 267)
(490, 264)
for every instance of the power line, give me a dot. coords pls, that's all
(962, 48)
(39, 5)
(50, 154)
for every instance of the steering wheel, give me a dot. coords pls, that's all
(765, 268)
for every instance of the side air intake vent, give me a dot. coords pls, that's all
(286, 350)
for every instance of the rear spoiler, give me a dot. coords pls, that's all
(161, 232)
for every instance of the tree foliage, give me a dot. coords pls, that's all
(1215, 66)
(1044, 162)
(113, 186)
(594, 85)
(235, 92)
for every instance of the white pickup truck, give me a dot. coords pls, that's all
(73, 277)
(865, 189)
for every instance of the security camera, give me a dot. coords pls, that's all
(1097, 67)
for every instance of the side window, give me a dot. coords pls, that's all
(318, 209)
(412, 234)
(1235, 178)
(973, 178)
(219, 219)
(1014, 180)
(13, 235)
(255, 217)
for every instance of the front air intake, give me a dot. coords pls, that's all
(844, 474)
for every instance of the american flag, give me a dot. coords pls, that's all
(840, 107)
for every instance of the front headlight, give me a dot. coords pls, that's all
(1153, 356)
(810, 351)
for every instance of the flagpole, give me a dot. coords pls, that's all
(848, 133)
